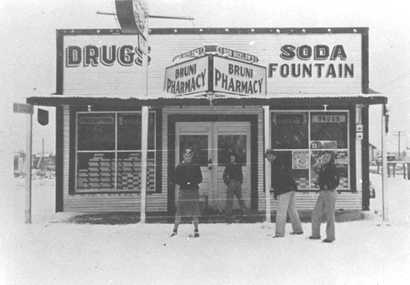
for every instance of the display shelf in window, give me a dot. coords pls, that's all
(129, 171)
(95, 171)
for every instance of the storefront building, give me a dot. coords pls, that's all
(298, 91)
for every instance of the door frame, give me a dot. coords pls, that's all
(252, 119)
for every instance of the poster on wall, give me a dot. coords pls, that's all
(300, 159)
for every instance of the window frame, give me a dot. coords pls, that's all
(116, 151)
(310, 150)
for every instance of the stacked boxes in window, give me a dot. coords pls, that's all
(129, 172)
(99, 174)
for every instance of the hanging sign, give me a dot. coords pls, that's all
(23, 108)
(213, 73)
(238, 78)
(187, 78)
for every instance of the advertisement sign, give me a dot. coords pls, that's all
(328, 64)
(103, 65)
(325, 119)
(229, 76)
(187, 78)
(300, 160)
(238, 78)
(323, 144)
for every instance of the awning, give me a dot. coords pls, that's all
(303, 100)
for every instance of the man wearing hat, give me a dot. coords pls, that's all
(187, 177)
(284, 186)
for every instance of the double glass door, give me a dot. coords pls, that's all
(212, 143)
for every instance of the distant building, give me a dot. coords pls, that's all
(372, 152)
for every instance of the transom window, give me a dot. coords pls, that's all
(300, 137)
(108, 152)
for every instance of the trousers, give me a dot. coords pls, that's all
(287, 205)
(234, 189)
(325, 207)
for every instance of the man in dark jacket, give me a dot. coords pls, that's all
(284, 189)
(328, 180)
(233, 178)
(188, 176)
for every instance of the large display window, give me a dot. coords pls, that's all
(108, 152)
(300, 138)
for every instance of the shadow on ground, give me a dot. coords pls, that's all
(122, 218)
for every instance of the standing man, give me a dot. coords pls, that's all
(328, 180)
(284, 189)
(187, 176)
(233, 178)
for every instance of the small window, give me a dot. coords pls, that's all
(301, 137)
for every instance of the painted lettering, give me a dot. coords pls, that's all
(106, 55)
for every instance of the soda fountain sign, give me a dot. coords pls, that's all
(317, 61)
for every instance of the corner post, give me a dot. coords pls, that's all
(385, 206)
(266, 125)
(144, 151)
(358, 147)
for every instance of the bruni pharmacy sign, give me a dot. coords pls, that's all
(215, 73)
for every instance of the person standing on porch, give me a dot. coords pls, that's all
(284, 189)
(188, 176)
(233, 179)
(328, 180)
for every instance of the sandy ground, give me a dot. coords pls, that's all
(46, 252)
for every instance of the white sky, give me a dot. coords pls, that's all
(27, 30)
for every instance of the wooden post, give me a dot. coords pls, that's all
(358, 148)
(408, 171)
(266, 116)
(385, 208)
(144, 151)
(29, 136)
(144, 137)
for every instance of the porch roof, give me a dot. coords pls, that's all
(58, 100)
